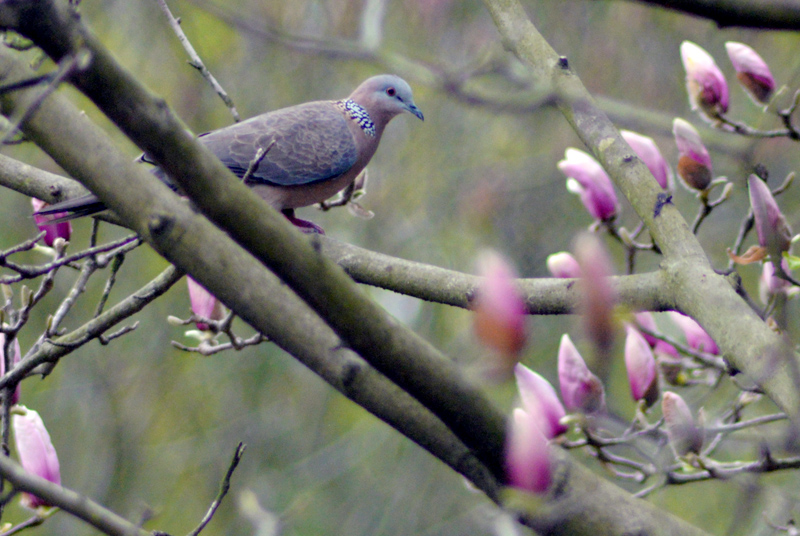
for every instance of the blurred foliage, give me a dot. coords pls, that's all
(148, 430)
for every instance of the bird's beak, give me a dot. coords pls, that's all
(414, 110)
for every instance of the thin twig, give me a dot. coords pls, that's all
(29, 272)
(195, 60)
(254, 163)
(223, 490)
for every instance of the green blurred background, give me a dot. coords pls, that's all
(149, 430)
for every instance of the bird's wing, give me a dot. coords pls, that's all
(305, 144)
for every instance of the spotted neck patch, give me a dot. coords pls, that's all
(359, 114)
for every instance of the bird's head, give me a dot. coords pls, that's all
(385, 96)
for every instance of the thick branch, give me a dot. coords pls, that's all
(763, 15)
(545, 296)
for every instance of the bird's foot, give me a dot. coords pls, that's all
(304, 226)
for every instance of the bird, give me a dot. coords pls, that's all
(297, 156)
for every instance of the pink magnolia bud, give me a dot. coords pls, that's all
(35, 450)
(752, 71)
(536, 391)
(696, 336)
(645, 320)
(684, 435)
(204, 304)
(694, 162)
(52, 230)
(580, 389)
(563, 265)
(641, 366)
(769, 284)
(598, 297)
(16, 355)
(707, 88)
(646, 149)
(499, 308)
(773, 232)
(528, 463)
(587, 178)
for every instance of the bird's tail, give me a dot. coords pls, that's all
(73, 208)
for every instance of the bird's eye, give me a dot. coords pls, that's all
(391, 91)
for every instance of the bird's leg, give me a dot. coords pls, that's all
(303, 226)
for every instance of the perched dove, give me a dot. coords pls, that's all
(313, 150)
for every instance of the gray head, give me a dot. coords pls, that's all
(385, 96)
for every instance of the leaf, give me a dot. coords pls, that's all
(753, 254)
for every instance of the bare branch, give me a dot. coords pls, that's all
(195, 60)
(223, 489)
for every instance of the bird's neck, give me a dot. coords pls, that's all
(359, 115)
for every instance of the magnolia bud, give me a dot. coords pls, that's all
(646, 149)
(35, 450)
(707, 88)
(580, 389)
(684, 435)
(499, 308)
(527, 457)
(752, 72)
(204, 304)
(640, 364)
(563, 265)
(694, 162)
(587, 178)
(696, 336)
(773, 232)
(52, 230)
(536, 391)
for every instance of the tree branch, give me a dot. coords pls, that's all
(763, 15)
(68, 500)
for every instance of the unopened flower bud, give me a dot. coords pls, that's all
(598, 296)
(694, 162)
(684, 435)
(536, 391)
(646, 149)
(707, 88)
(773, 232)
(696, 336)
(666, 354)
(640, 364)
(35, 450)
(563, 265)
(204, 304)
(769, 284)
(527, 457)
(499, 308)
(52, 230)
(752, 72)
(587, 178)
(580, 389)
